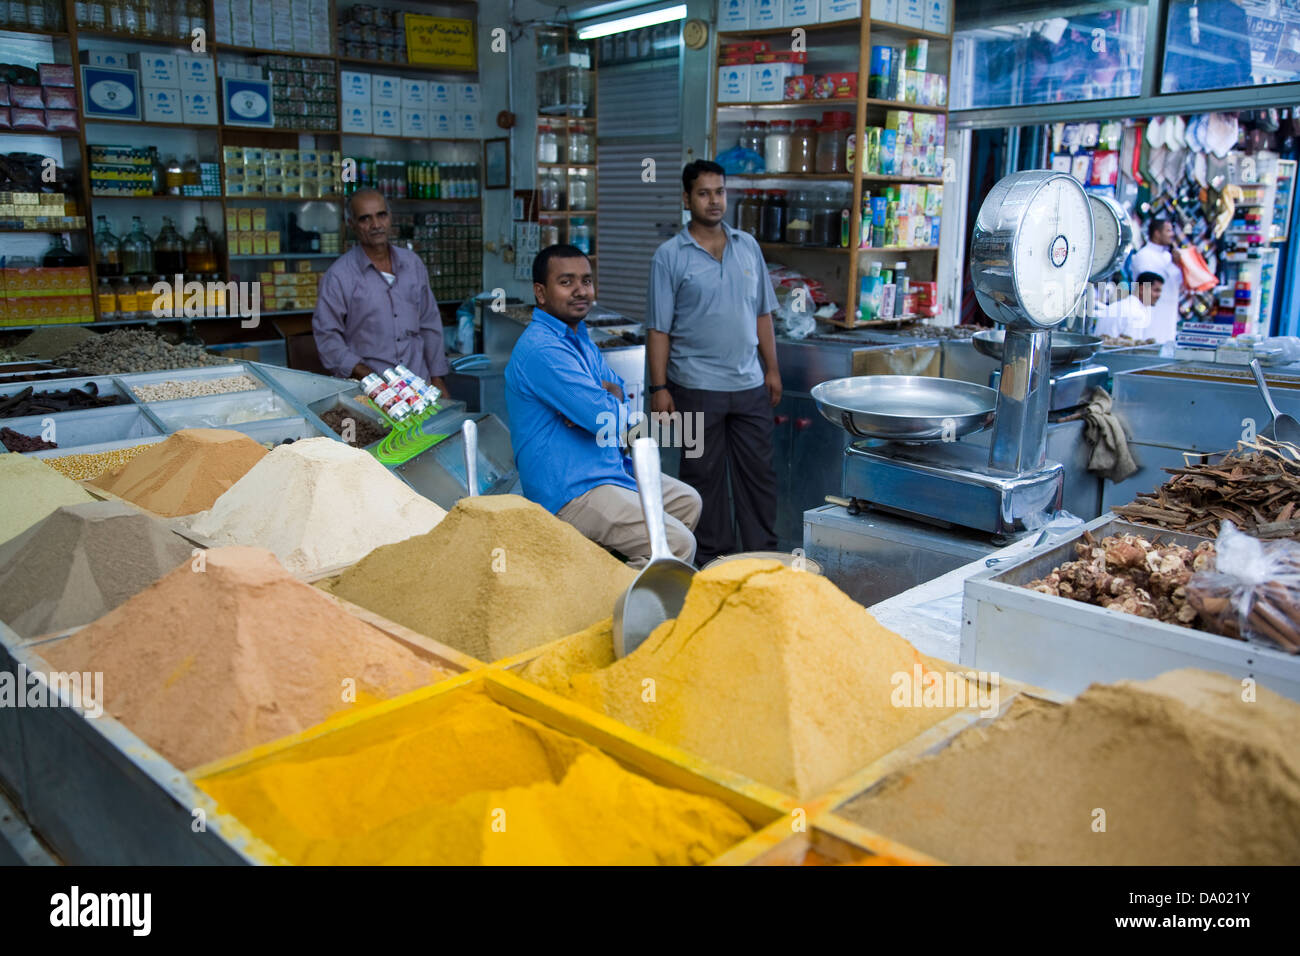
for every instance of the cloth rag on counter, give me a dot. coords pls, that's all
(1110, 456)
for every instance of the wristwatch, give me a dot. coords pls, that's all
(656, 388)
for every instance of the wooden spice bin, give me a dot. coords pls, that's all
(788, 842)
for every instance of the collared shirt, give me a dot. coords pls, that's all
(1164, 314)
(566, 429)
(1129, 316)
(709, 308)
(360, 318)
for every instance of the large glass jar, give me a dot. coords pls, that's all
(174, 174)
(550, 193)
(579, 147)
(826, 219)
(137, 250)
(799, 226)
(200, 248)
(580, 235)
(190, 173)
(548, 145)
(578, 83)
(578, 195)
(803, 147)
(775, 214)
(108, 250)
(169, 250)
(776, 146)
(753, 136)
(749, 212)
(548, 234)
(832, 143)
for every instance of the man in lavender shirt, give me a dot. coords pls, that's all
(375, 309)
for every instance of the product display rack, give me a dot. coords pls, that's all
(828, 264)
(569, 115)
(66, 47)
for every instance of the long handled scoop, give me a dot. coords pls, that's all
(1283, 428)
(659, 591)
(469, 431)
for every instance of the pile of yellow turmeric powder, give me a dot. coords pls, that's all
(767, 671)
(458, 779)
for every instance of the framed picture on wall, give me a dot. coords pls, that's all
(496, 163)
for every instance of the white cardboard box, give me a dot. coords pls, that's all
(196, 73)
(415, 122)
(282, 25)
(241, 22)
(768, 81)
(320, 26)
(157, 70)
(119, 61)
(911, 13)
(221, 18)
(162, 106)
(469, 96)
(733, 15)
(386, 120)
(385, 90)
(765, 13)
(356, 118)
(441, 124)
(199, 107)
(467, 123)
(937, 14)
(733, 83)
(354, 87)
(442, 93)
(832, 10)
(886, 10)
(798, 12)
(415, 94)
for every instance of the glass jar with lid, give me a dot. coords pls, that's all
(775, 214)
(749, 212)
(548, 234)
(200, 249)
(174, 175)
(803, 146)
(550, 195)
(137, 250)
(799, 225)
(580, 235)
(191, 175)
(753, 136)
(776, 146)
(579, 144)
(832, 144)
(578, 195)
(548, 145)
(826, 218)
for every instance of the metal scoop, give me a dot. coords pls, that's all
(1283, 428)
(469, 430)
(659, 591)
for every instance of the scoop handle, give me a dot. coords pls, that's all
(649, 485)
(1263, 387)
(470, 431)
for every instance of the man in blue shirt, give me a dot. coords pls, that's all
(711, 351)
(566, 421)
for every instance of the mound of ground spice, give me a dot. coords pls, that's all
(30, 490)
(317, 504)
(462, 780)
(768, 671)
(186, 473)
(1177, 770)
(498, 576)
(80, 563)
(231, 651)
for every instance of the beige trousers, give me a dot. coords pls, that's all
(611, 516)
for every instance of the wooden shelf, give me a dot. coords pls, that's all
(793, 247)
(566, 165)
(284, 198)
(141, 124)
(449, 202)
(884, 27)
(383, 65)
(896, 249)
(27, 31)
(175, 42)
(268, 256)
(837, 26)
(62, 133)
(922, 180)
(906, 107)
(811, 177)
(409, 139)
(166, 198)
(844, 104)
(567, 214)
(257, 51)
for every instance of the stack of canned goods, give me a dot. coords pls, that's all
(372, 33)
(400, 393)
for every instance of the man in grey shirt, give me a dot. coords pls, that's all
(711, 351)
(374, 309)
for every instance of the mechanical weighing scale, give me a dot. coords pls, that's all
(1031, 259)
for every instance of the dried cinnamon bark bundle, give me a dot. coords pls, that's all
(1257, 488)
(1131, 574)
(1256, 598)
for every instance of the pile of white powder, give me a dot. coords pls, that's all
(317, 504)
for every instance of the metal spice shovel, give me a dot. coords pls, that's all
(469, 431)
(1283, 428)
(659, 591)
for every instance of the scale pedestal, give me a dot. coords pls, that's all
(1071, 385)
(951, 483)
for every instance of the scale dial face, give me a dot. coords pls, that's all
(1032, 249)
(1113, 234)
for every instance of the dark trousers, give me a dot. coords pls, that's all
(737, 438)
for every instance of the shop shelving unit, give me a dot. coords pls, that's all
(837, 269)
(66, 46)
(565, 116)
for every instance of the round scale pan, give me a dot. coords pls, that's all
(1067, 347)
(906, 407)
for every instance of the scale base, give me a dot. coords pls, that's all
(950, 482)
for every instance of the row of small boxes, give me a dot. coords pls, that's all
(46, 310)
(41, 296)
(35, 211)
(374, 89)
(254, 171)
(51, 106)
(399, 121)
(301, 26)
(285, 289)
(737, 15)
(920, 142)
(304, 92)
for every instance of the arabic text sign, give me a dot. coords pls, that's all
(439, 41)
